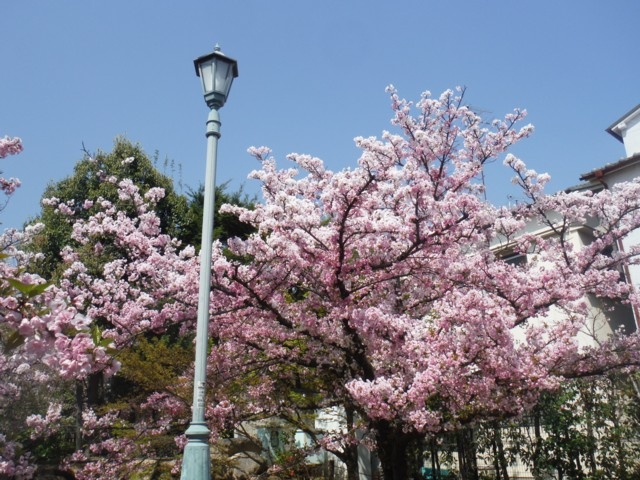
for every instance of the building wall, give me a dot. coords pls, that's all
(631, 135)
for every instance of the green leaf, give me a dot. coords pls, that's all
(28, 289)
(12, 341)
(96, 335)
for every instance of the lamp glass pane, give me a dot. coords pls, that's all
(206, 75)
(223, 77)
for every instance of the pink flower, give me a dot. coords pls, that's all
(10, 146)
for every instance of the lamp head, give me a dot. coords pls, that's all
(217, 72)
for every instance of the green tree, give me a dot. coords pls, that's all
(587, 430)
(96, 176)
(225, 225)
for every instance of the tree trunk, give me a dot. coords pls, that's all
(351, 451)
(496, 461)
(95, 389)
(500, 458)
(620, 456)
(351, 462)
(89, 393)
(588, 396)
(537, 446)
(393, 449)
(435, 458)
(79, 411)
(467, 454)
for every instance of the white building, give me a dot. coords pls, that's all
(626, 130)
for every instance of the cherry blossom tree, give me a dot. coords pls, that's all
(42, 339)
(403, 298)
(382, 288)
(119, 267)
(134, 297)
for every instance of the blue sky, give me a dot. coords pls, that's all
(312, 77)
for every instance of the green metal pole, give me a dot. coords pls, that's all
(196, 462)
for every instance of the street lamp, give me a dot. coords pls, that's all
(217, 72)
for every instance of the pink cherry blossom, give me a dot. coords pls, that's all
(10, 146)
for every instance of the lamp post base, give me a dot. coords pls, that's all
(196, 461)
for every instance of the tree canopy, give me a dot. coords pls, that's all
(384, 289)
(95, 177)
(403, 296)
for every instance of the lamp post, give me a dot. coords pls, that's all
(217, 72)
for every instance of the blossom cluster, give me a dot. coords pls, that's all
(10, 146)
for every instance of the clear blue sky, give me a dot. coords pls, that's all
(312, 77)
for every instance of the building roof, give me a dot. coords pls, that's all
(614, 128)
(611, 167)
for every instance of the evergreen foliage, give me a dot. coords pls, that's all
(96, 176)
